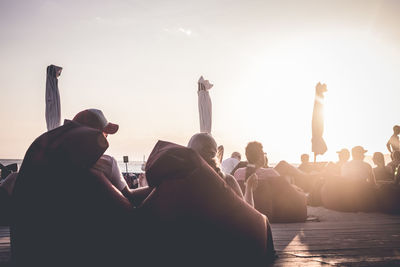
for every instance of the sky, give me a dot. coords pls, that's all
(139, 62)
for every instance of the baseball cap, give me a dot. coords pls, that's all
(95, 118)
(358, 150)
(343, 151)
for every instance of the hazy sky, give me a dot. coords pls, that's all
(139, 62)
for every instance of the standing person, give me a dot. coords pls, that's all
(94, 118)
(394, 143)
(358, 168)
(230, 163)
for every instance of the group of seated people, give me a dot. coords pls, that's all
(70, 205)
(69, 191)
(353, 185)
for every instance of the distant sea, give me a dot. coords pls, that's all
(133, 166)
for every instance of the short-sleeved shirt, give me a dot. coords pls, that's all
(357, 169)
(109, 167)
(262, 173)
(229, 164)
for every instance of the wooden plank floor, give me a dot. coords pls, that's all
(337, 239)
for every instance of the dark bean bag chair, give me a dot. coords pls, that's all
(63, 214)
(195, 219)
(388, 197)
(342, 194)
(280, 201)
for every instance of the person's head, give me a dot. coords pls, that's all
(343, 155)
(305, 158)
(205, 145)
(396, 156)
(94, 118)
(396, 129)
(358, 152)
(255, 154)
(236, 155)
(378, 159)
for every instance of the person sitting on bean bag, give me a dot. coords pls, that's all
(205, 145)
(274, 196)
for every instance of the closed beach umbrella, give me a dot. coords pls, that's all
(205, 107)
(318, 144)
(53, 107)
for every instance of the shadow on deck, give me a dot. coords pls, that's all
(337, 239)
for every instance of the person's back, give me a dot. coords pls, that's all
(229, 164)
(357, 168)
(109, 167)
(107, 164)
(382, 173)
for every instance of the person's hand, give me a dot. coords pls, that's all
(252, 181)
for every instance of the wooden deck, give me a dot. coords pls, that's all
(334, 238)
(339, 239)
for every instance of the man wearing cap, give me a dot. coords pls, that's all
(95, 118)
(344, 156)
(358, 168)
(394, 143)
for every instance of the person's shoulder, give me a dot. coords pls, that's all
(106, 160)
(367, 165)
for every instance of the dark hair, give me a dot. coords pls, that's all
(254, 150)
(378, 158)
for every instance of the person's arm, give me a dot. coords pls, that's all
(231, 181)
(251, 185)
(372, 176)
(138, 195)
(389, 146)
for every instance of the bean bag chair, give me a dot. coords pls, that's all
(194, 218)
(280, 201)
(350, 195)
(64, 214)
(388, 197)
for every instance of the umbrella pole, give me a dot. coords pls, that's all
(315, 157)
